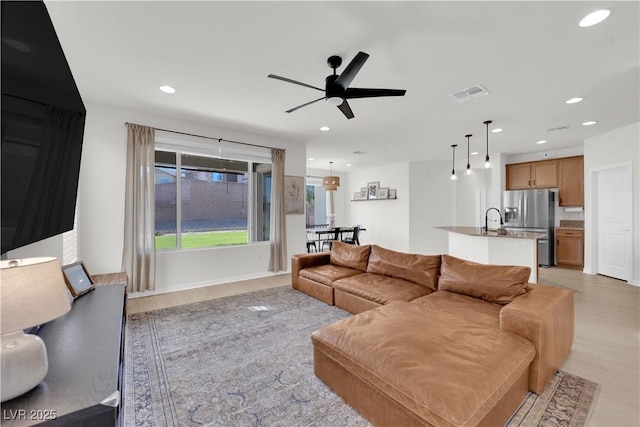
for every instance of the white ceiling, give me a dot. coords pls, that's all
(530, 56)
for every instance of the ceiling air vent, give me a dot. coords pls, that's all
(468, 93)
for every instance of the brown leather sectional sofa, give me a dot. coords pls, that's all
(435, 340)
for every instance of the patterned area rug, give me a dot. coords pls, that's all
(247, 360)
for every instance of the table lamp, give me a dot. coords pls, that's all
(32, 292)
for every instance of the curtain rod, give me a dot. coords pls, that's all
(205, 137)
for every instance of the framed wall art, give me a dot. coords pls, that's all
(294, 194)
(383, 193)
(364, 192)
(372, 189)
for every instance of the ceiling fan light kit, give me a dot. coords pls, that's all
(337, 90)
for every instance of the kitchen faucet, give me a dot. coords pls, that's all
(486, 219)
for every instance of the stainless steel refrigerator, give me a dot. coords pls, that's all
(532, 210)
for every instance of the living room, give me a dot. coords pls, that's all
(419, 171)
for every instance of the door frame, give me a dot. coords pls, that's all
(627, 168)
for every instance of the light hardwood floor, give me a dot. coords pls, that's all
(605, 349)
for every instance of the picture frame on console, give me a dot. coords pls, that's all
(78, 279)
(383, 193)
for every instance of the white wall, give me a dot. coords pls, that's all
(433, 197)
(427, 198)
(468, 189)
(578, 150)
(610, 149)
(101, 205)
(386, 221)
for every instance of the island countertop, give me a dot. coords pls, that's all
(477, 231)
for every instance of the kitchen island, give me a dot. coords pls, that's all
(513, 248)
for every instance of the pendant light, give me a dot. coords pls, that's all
(453, 164)
(487, 163)
(331, 183)
(468, 170)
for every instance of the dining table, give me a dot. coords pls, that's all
(326, 233)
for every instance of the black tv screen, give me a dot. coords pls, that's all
(43, 119)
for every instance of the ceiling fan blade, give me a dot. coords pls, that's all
(352, 69)
(284, 79)
(346, 110)
(304, 105)
(351, 93)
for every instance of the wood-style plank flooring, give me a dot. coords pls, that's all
(605, 349)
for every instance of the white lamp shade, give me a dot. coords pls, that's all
(32, 292)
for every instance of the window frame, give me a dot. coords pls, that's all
(197, 146)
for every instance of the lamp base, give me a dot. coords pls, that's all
(24, 363)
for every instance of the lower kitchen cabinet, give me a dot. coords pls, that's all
(570, 248)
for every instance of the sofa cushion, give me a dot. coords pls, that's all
(480, 312)
(421, 269)
(352, 256)
(380, 289)
(328, 273)
(494, 283)
(444, 368)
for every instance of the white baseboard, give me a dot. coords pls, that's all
(187, 286)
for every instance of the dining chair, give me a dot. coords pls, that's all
(329, 242)
(311, 242)
(353, 238)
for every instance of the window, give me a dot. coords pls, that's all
(205, 201)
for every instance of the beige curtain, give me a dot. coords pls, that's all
(139, 255)
(278, 231)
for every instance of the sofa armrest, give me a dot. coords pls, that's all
(300, 261)
(544, 316)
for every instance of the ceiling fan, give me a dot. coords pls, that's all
(337, 90)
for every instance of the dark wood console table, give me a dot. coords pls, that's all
(85, 348)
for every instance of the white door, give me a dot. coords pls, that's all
(614, 221)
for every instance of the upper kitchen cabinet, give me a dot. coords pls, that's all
(543, 174)
(571, 181)
(566, 174)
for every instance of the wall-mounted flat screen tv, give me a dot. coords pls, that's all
(43, 119)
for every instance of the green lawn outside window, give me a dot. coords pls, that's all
(203, 240)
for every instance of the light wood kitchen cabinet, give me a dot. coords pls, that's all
(542, 174)
(571, 181)
(518, 176)
(570, 247)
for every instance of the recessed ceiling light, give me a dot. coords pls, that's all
(475, 153)
(325, 128)
(311, 158)
(167, 89)
(497, 130)
(542, 141)
(589, 123)
(348, 164)
(594, 18)
(574, 100)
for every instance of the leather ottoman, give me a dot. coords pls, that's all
(400, 364)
